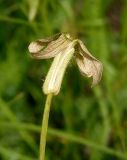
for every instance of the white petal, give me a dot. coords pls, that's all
(56, 72)
(88, 65)
(48, 48)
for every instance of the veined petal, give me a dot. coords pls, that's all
(36, 46)
(52, 83)
(88, 65)
(48, 48)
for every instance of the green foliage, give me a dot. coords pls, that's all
(84, 123)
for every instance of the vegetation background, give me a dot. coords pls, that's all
(84, 123)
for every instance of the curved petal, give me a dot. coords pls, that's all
(48, 48)
(88, 65)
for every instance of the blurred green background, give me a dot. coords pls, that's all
(85, 123)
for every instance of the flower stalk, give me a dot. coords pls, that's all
(45, 126)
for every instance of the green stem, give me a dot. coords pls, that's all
(45, 126)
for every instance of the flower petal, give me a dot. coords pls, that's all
(52, 83)
(88, 65)
(48, 48)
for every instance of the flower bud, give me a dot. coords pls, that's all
(56, 72)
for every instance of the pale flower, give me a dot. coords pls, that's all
(62, 47)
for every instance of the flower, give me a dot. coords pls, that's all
(62, 47)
